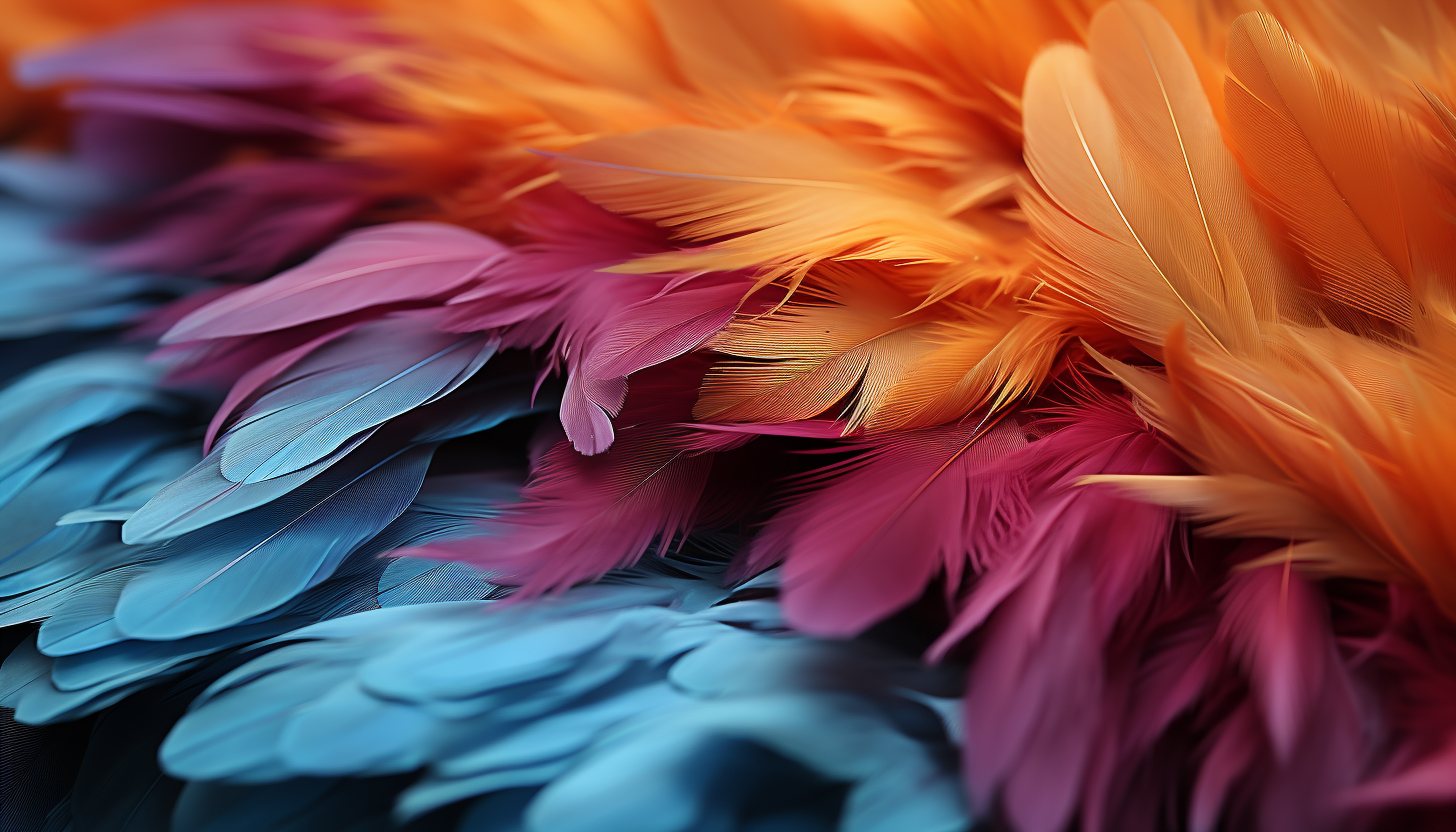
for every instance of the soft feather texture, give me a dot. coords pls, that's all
(1141, 194)
(784, 201)
(643, 675)
(749, 237)
(907, 510)
(583, 516)
(241, 221)
(53, 286)
(856, 342)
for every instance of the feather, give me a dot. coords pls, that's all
(642, 335)
(774, 200)
(1140, 192)
(203, 496)
(1053, 585)
(372, 267)
(231, 574)
(72, 393)
(604, 326)
(580, 517)
(869, 541)
(51, 180)
(47, 689)
(51, 286)
(490, 698)
(140, 483)
(35, 551)
(1336, 167)
(861, 344)
(246, 220)
(195, 47)
(209, 111)
(259, 376)
(345, 387)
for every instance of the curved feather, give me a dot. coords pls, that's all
(870, 540)
(203, 496)
(1140, 191)
(371, 267)
(1340, 169)
(498, 698)
(75, 392)
(231, 574)
(347, 386)
(580, 517)
(774, 200)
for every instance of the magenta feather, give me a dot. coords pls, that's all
(239, 221)
(870, 540)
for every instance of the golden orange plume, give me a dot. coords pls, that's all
(1317, 412)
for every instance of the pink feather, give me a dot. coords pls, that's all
(1313, 738)
(1047, 604)
(603, 326)
(375, 266)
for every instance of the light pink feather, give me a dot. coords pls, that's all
(372, 267)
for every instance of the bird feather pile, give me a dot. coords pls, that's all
(728, 415)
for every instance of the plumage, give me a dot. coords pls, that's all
(557, 686)
(772, 200)
(856, 342)
(1025, 415)
(67, 395)
(230, 575)
(241, 221)
(54, 286)
(345, 388)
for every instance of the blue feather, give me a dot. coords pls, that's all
(72, 393)
(223, 575)
(203, 496)
(45, 179)
(52, 286)
(36, 552)
(91, 669)
(483, 404)
(360, 381)
(140, 484)
(586, 697)
(419, 581)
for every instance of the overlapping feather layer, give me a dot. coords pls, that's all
(608, 414)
